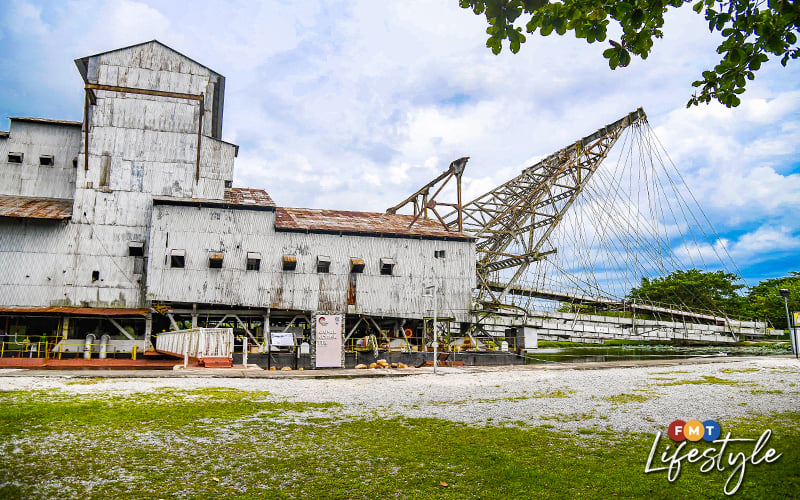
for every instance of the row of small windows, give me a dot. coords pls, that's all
(44, 160)
(177, 259)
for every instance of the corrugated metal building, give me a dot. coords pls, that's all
(133, 211)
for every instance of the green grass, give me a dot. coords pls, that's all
(631, 398)
(707, 379)
(223, 443)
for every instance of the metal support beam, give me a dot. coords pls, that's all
(91, 87)
(423, 201)
(247, 330)
(172, 322)
(121, 330)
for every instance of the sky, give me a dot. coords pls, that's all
(356, 104)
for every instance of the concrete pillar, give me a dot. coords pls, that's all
(194, 315)
(65, 327)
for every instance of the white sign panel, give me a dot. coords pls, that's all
(282, 339)
(329, 340)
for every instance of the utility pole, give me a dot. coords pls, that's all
(785, 294)
(433, 289)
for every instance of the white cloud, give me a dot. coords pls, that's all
(355, 105)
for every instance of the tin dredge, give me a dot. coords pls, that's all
(124, 243)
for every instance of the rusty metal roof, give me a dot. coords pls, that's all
(371, 223)
(235, 198)
(75, 311)
(46, 120)
(246, 196)
(35, 208)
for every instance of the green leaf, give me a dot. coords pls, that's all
(637, 16)
(755, 64)
(698, 7)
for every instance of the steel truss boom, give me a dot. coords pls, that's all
(512, 222)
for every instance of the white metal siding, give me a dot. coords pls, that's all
(34, 140)
(237, 232)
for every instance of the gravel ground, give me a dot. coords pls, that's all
(639, 399)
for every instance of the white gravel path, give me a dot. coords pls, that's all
(564, 398)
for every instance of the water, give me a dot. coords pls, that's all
(625, 353)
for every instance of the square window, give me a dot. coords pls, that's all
(136, 248)
(46, 160)
(95, 275)
(438, 254)
(289, 262)
(177, 258)
(215, 260)
(387, 267)
(357, 266)
(323, 264)
(253, 261)
(15, 157)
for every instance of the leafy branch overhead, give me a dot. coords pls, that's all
(752, 32)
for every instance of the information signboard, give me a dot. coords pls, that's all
(282, 339)
(328, 342)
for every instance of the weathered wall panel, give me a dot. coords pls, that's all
(201, 230)
(35, 139)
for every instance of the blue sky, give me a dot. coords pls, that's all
(355, 104)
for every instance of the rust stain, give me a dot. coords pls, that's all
(351, 290)
(336, 221)
(78, 311)
(35, 208)
(246, 196)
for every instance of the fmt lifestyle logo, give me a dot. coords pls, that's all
(713, 458)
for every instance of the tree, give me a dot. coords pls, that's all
(694, 290)
(764, 300)
(751, 31)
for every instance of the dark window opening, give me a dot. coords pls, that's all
(75, 162)
(136, 248)
(15, 157)
(357, 266)
(177, 259)
(289, 262)
(228, 184)
(215, 260)
(95, 275)
(438, 254)
(323, 264)
(387, 267)
(46, 160)
(253, 261)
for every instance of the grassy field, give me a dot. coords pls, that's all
(224, 443)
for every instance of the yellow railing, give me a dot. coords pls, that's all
(44, 349)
